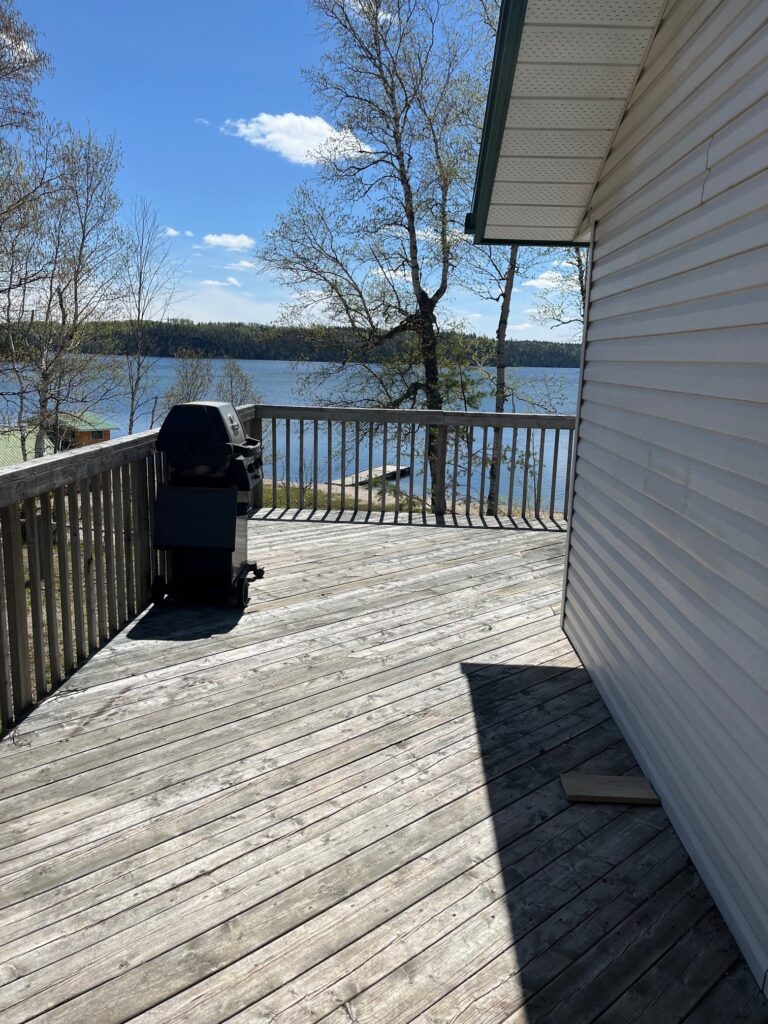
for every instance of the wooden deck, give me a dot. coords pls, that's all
(344, 806)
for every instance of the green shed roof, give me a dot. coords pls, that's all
(10, 446)
(84, 421)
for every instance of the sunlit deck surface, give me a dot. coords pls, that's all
(344, 805)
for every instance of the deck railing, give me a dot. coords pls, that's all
(76, 558)
(412, 461)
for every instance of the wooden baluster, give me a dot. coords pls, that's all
(567, 497)
(553, 484)
(35, 595)
(329, 431)
(512, 471)
(110, 576)
(539, 476)
(257, 492)
(425, 472)
(16, 609)
(483, 459)
(122, 590)
(65, 579)
(315, 461)
(6, 675)
(470, 445)
(343, 464)
(398, 458)
(154, 562)
(88, 566)
(49, 575)
(287, 463)
(412, 472)
(384, 473)
(129, 529)
(275, 503)
(357, 465)
(141, 532)
(98, 552)
(455, 473)
(81, 641)
(301, 464)
(163, 558)
(524, 503)
(370, 467)
(440, 434)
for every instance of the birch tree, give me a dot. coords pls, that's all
(59, 272)
(149, 278)
(372, 244)
(563, 290)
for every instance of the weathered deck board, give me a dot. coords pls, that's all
(344, 805)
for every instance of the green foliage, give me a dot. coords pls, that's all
(264, 341)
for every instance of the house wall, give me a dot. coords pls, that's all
(667, 579)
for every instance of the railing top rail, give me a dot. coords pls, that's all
(429, 417)
(40, 475)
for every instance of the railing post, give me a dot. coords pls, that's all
(18, 628)
(6, 677)
(257, 492)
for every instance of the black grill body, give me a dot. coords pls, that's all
(201, 514)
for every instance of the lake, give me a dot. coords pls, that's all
(282, 383)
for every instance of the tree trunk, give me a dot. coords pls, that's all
(494, 475)
(43, 414)
(436, 436)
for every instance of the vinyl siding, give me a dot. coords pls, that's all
(667, 581)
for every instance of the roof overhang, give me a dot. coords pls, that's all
(563, 71)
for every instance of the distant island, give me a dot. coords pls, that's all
(264, 341)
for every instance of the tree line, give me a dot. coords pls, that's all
(169, 338)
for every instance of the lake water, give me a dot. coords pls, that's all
(283, 383)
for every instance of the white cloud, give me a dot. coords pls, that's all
(298, 138)
(552, 279)
(241, 265)
(231, 282)
(171, 232)
(517, 327)
(189, 234)
(235, 243)
(202, 120)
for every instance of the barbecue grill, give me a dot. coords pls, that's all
(201, 514)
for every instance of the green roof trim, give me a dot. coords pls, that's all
(84, 421)
(508, 36)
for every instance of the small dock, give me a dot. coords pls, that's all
(377, 473)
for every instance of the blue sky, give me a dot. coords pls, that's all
(184, 87)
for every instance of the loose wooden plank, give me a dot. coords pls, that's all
(609, 789)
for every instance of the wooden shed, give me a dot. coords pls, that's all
(639, 127)
(77, 429)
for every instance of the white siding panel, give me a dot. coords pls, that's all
(667, 583)
(746, 199)
(686, 347)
